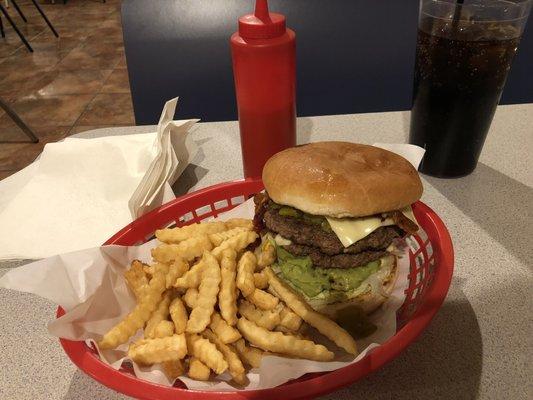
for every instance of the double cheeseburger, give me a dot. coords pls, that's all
(336, 213)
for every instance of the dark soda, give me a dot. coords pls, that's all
(460, 73)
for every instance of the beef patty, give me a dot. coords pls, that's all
(324, 248)
(308, 234)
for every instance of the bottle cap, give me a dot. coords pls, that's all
(262, 24)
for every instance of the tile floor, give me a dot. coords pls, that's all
(68, 85)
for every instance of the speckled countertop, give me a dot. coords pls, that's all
(478, 345)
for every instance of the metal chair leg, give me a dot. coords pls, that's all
(19, 11)
(2, 28)
(45, 18)
(14, 116)
(14, 26)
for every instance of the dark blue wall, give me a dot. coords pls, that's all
(353, 56)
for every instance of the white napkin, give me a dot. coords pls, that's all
(82, 191)
(172, 149)
(411, 152)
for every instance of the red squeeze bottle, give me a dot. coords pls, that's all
(264, 67)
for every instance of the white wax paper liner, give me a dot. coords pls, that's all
(89, 285)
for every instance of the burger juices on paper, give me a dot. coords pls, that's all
(335, 212)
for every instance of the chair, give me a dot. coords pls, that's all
(40, 10)
(20, 123)
(14, 26)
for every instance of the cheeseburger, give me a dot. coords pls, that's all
(336, 213)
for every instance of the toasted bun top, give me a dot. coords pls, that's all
(341, 179)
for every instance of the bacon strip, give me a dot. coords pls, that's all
(261, 202)
(403, 222)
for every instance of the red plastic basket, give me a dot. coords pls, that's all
(431, 258)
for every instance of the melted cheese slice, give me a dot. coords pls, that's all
(350, 230)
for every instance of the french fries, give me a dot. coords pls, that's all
(207, 295)
(219, 237)
(160, 314)
(245, 273)
(267, 319)
(188, 249)
(208, 305)
(172, 368)
(235, 367)
(163, 329)
(136, 279)
(227, 297)
(323, 324)
(250, 355)
(191, 297)
(178, 313)
(152, 351)
(135, 320)
(177, 235)
(191, 278)
(198, 370)
(262, 299)
(206, 352)
(240, 222)
(260, 280)
(175, 271)
(267, 256)
(238, 243)
(223, 330)
(289, 320)
(281, 343)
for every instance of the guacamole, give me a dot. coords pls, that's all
(331, 283)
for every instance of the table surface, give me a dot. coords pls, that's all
(479, 344)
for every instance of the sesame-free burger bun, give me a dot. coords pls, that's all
(341, 179)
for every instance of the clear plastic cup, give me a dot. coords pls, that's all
(463, 56)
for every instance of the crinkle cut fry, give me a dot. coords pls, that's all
(136, 279)
(177, 235)
(225, 332)
(159, 314)
(245, 273)
(136, 319)
(207, 295)
(235, 367)
(206, 352)
(267, 319)
(250, 355)
(227, 296)
(219, 237)
(323, 324)
(188, 249)
(153, 351)
(238, 243)
(284, 344)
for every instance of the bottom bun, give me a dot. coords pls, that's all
(370, 300)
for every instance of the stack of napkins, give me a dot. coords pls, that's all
(82, 191)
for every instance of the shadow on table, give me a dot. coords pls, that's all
(191, 175)
(496, 202)
(84, 387)
(406, 122)
(445, 362)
